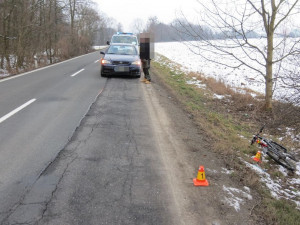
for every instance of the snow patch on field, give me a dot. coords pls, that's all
(219, 96)
(226, 171)
(3, 73)
(287, 188)
(290, 133)
(235, 197)
(99, 47)
(196, 82)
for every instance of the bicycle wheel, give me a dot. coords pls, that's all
(278, 146)
(282, 151)
(282, 160)
(291, 156)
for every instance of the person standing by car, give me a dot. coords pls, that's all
(146, 54)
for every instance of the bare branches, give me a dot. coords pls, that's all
(233, 23)
(137, 25)
(287, 14)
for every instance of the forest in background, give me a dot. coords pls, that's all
(35, 33)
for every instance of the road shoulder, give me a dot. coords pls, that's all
(184, 146)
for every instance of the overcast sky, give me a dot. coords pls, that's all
(125, 11)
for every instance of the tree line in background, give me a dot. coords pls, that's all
(182, 30)
(40, 32)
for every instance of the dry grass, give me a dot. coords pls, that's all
(237, 106)
(283, 114)
(230, 122)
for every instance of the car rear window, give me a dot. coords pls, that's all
(122, 50)
(124, 39)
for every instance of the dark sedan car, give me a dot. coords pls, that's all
(121, 59)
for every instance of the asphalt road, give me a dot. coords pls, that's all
(79, 149)
(39, 112)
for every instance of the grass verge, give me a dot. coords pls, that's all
(229, 119)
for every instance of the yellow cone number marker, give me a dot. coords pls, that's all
(200, 180)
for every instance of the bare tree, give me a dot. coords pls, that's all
(120, 27)
(6, 35)
(291, 79)
(87, 26)
(151, 24)
(235, 21)
(106, 28)
(137, 26)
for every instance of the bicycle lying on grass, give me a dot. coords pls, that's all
(277, 152)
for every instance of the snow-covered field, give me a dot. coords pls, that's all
(244, 77)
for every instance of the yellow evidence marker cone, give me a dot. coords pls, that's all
(257, 157)
(200, 180)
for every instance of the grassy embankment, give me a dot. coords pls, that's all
(230, 122)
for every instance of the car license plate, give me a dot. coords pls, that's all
(121, 69)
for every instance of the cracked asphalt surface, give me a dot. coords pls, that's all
(109, 173)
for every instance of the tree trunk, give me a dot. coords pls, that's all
(6, 41)
(269, 86)
(72, 38)
(269, 73)
(270, 28)
(50, 25)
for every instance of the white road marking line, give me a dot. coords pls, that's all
(3, 118)
(97, 61)
(73, 75)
